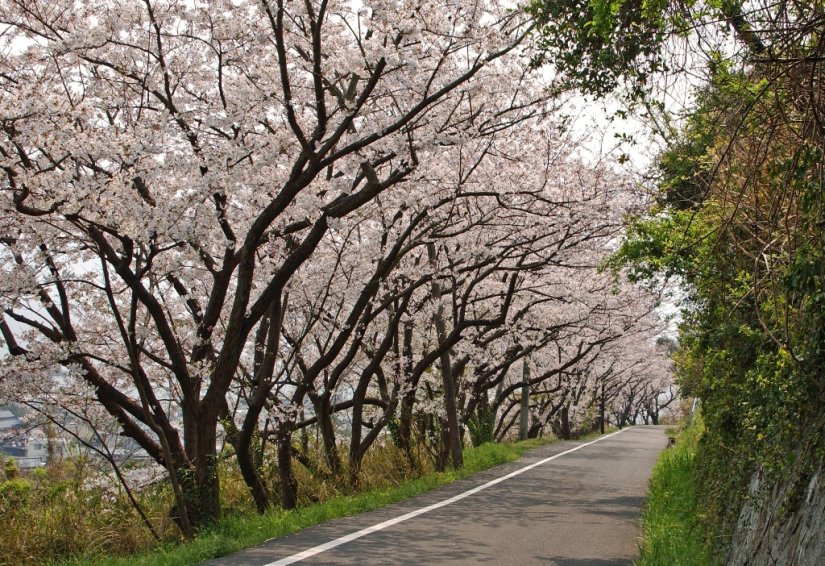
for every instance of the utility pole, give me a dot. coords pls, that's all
(524, 417)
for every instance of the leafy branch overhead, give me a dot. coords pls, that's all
(599, 45)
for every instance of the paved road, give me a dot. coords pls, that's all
(581, 508)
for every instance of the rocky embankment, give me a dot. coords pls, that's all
(784, 523)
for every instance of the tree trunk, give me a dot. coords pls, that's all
(199, 482)
(405, 417)
(201, 492)
(564, 423)
(405, 422)
(443, 445)
(244, 453)
(288, 485)
(267, 343)
(327, 429)
(355, 454)
(355, 458)
(250, 473)
(654, 415)
(450, 404)
(453, 431)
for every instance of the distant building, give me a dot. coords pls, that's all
(15, 441)
(33, 444)
(12, 430)
(9, 422)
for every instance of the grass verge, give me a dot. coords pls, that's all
(672, 531)
(236, 532)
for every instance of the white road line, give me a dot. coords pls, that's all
(310, 552)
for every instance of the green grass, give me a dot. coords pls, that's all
(673, 532)
(236, 532)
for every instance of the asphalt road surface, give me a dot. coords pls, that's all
(568, 504)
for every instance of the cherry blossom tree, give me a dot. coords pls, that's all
(169, 167)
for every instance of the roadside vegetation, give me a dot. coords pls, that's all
(738, 220)
(673, 531)
(55, 513)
